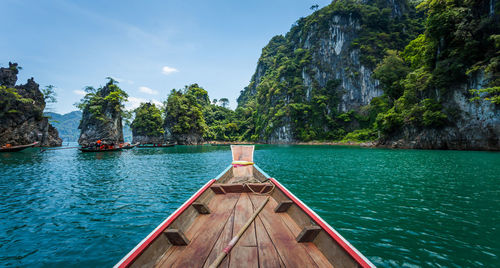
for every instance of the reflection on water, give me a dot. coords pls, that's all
(398, 207)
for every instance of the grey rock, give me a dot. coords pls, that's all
(23, 122)
(109, 131)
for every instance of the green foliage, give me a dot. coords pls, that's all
(184, 110)
(10, 98)
(279, 96)
(224, 102)
(461, 39)
(148, 121)
(491, 94)
(389, 72)
(49, 94)
(96, 101)
(360, 135)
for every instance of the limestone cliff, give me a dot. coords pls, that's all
(475, 125)
(21, 112)
(323, 68)
(102, 115)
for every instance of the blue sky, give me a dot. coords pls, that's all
(150, 47)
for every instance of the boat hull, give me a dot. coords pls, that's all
(86, 150)
(157, 146)
(17, 148)
(294, 237)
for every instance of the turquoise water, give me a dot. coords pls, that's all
(398, 207)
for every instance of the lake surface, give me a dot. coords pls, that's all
(398, 207)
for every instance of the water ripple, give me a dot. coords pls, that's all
(401, 208)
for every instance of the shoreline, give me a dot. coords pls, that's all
(368, 144)
(335, 143)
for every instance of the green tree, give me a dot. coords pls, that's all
(49, 94)
(224, 102)
(148, 121)
(390, 72)
(96, 101)
(183, 113)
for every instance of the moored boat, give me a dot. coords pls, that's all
(155, 145)
(94, 149)
(129, 146)
(244, 217)
(16, 148)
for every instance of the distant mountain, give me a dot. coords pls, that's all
(67, 125)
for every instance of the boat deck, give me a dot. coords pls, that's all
(270, 241)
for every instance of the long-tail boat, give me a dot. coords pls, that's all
(16, 148)
(129, 146)
(97, 149)
(244, 218)
(155, 145)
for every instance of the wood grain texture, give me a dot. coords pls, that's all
(244, 253)
(203, 234)
(308, 234)
(292, 253)
(176, 237)
(221, 243)
(283, 206)
(201, 207)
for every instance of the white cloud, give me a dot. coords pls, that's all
(157, 103)
(168, 70)
(79, 92)
(147, 90)
(134, 102)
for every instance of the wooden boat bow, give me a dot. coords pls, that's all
(283, 232)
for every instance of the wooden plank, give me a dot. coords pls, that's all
(232, 188)
(217, 189)
(283, 206)
(221, 243)
(316, 254)
(244, 253)
(176, 237)
(308, 233)
(203, 234)
(201, 207)
(292, 253)
(268, 256)
(240, 187)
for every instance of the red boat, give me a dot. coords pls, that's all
(244, 218)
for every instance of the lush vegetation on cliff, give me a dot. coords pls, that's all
(148, 121)
(461, 41)
(419, 56)
(96, 101)
(9, 99)
(278, 95)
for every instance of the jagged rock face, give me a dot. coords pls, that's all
(334, 58)
(476, 126)
(145, 139)
(22, 122)
(189, 139)
(109, 130)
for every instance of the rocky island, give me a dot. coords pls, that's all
(21, 112)
(102, 115)
(147, 127)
